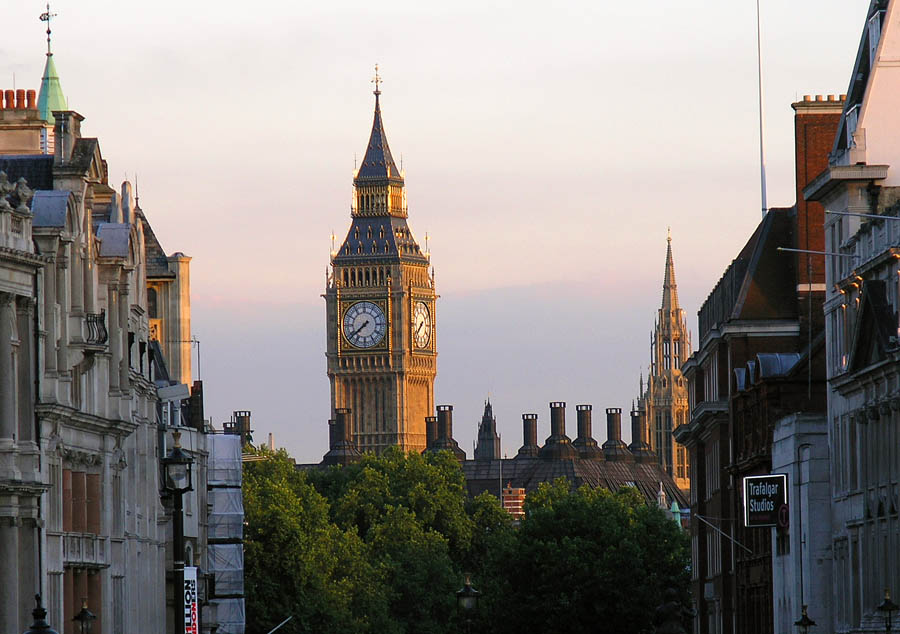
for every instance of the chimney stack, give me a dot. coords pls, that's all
(639, 447)
(585, 444)
(529, 448)
(342, 450)
(66, 130)
(431, 431)
(614, 449)
(444, 440)
(558, 446)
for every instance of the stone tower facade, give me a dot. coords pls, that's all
(663, 406)
(380, 311)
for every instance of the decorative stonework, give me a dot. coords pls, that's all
(14, 196)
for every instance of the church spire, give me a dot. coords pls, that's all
(378, 163)
(670, 288)
(51, 95)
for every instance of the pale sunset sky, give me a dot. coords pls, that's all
(547, 147)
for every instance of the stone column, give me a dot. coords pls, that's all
(9, 574)
(7, 376)
(50, 316)
(115, 340)
(62, 298)
(25, 315)
(123, 334)
(77, 279)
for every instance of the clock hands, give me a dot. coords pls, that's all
(353, 334)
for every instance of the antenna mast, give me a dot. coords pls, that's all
(762, 128)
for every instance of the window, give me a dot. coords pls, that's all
(151, 303)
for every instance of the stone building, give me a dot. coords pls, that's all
(860, 190)
(760, 359)
(87, 403)
(380, 310)
(664, 404)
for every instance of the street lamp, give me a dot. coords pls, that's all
(85, 618)
(177, 481)
(804, 623)
(887, 608)
(39, 614)
(467, 600)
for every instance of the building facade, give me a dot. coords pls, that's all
(380, 304)
(860, 190)
(664, 404)
(87, 403)
(760, 358)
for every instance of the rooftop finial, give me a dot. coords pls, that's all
(377, 81)
(669, 234)
(47, 17)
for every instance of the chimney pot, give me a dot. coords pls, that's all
(557, 418)
(820, 98)
(445, 422)
(431, 427)
(9, 99)
(20, 99)
(584, 421)
(832, 97)
(31, 98)
(843, 97)
(807, 97)
(614, 423)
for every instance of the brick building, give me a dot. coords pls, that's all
(759, 358)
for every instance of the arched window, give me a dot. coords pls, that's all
(151, 303)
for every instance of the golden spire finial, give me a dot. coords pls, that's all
(377, 81)
(669, 234)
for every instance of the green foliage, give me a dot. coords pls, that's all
(380, 546)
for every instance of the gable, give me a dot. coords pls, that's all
(875, 325)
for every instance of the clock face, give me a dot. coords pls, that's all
(421, 325)
(364, 324)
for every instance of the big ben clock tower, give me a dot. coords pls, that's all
(380, 310)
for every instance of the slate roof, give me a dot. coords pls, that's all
(528, 473)
(113, 239)
(49, 208)
(156, 262)
(379, 238)
(37, 169)
(378, 163)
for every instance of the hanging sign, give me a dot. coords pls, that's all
(191, 618)
(765, 497)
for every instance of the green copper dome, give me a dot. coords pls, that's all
(51, 96)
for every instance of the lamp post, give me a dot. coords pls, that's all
(177, 481)
(467, 601)
(40, 625)
(804, 622)
(85, 618)
(887, 608)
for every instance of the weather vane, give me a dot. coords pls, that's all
(377, 81)
(47, 17)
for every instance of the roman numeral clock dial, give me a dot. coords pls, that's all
(364, 325)
(421, 325)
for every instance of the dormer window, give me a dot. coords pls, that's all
(369, 233)
(356, 233)
(381, 233)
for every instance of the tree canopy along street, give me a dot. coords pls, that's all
(382, 546)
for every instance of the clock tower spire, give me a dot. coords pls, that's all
(380, 309)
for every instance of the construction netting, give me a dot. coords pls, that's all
(226, 513)
(226, 563)
(229, 615)
(225, 460)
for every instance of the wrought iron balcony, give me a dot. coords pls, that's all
(96, 328)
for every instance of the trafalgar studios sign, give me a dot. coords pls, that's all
(765, 500)
(191, 618)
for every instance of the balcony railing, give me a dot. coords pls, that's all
(96, 328)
